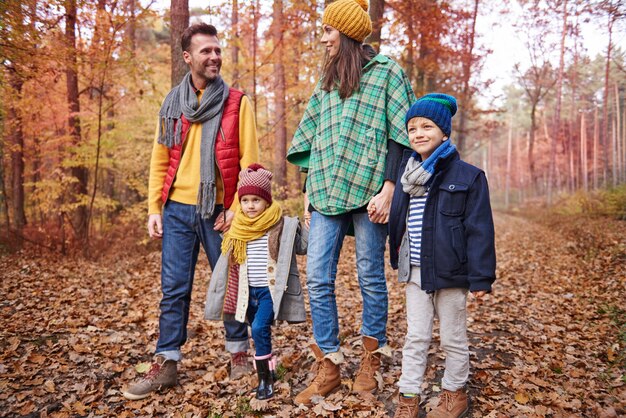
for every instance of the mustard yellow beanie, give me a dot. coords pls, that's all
(349, 17)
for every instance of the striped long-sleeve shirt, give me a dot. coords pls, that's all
(256, 258)
(414, 226)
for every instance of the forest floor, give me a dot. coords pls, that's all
(548, 342)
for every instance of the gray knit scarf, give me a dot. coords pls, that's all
(182, 99)
(417, 173)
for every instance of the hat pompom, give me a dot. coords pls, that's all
(364, 4)
(256, 180)
(349, 17)
(255, 167)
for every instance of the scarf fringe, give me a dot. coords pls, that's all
(206, 200)
(183, 100)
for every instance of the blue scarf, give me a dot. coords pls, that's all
(418, 173)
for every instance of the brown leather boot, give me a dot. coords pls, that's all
(328, 378)
(162, 374)
(370, 364)
(451, 405)
(407, 407)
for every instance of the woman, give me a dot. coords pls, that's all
(350, 141)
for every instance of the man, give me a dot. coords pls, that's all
(206, 135)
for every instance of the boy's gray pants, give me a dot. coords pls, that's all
(450, 307)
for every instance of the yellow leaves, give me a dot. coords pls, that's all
(522, 398)
(142, 367)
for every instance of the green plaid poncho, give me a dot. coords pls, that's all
(343, 143)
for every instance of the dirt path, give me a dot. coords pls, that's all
(548, 342)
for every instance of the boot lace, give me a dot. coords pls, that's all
(366, 364)
(447, 398)
(154, 371)
(320, 377)
(407, 408)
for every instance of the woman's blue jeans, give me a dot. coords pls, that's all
(325, 242)
(261, 316)
(183, 233)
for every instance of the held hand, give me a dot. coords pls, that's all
(223, 221)
(479, 295)
(379, 206)
(307, 214)
(155, 226)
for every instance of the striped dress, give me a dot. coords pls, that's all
(414, 226)
(256, 259)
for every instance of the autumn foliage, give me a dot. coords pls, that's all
(549, 342)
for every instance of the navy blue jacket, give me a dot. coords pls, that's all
(458, 248)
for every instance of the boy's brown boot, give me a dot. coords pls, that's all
(451, 405)
(328, 378)
(162, 374)
(370, 364)
(407, 407)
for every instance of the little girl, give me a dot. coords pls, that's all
(256, 278)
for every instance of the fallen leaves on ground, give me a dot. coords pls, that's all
(549, 342)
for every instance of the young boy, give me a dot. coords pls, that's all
(256, 278)
(441, 238)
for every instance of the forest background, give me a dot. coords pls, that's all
(82, 81)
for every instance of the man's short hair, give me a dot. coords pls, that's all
(203, 28)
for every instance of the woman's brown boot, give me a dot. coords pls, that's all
(328, 377)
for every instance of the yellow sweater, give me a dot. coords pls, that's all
(187, 181)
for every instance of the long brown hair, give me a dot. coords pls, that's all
(343, 71)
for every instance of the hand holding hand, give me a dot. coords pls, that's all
(223, 221)
(378, 208)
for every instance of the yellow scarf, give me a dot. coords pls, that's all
(244, 229)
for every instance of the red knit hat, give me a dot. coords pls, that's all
(256, 180)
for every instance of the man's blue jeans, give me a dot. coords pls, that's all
(261, 316)
(183, 233)
(325, 242)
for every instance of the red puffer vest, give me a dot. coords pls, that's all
(226, 149)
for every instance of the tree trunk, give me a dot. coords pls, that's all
(234, 47)
(131, 27)
(618, 162)
(179, 10)
(583, 153)
(466, 93)
(376, 11)
(509, 148)
(596, 140)
(280, 146)
(605, 101)
(4, 206)
(80, 173)
(531, 146)
(557, 112)
(16, 139)
(255, 14)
